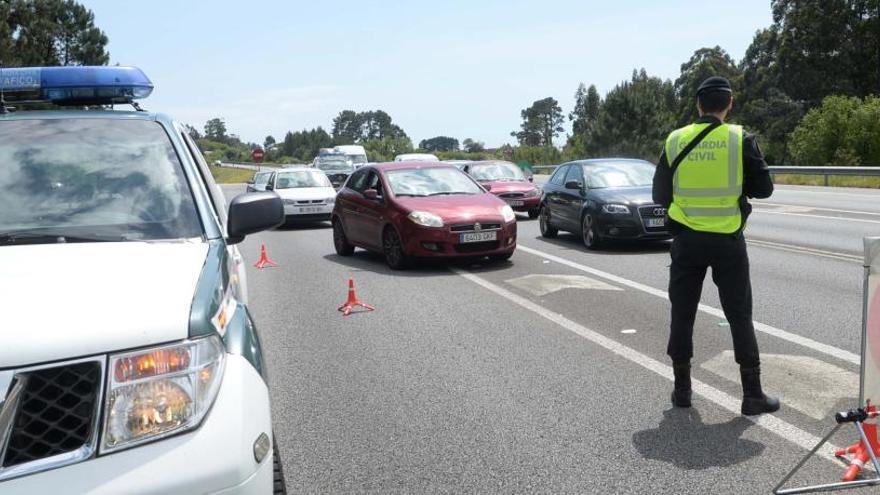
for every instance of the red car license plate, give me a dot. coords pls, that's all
(478, 237)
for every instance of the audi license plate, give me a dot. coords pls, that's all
(655, 222)
(513, 202)
(310, 209)
(478, 237)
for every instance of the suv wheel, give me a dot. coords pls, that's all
(547, 230)
(589, 232)
(340, 242)
(392, 247)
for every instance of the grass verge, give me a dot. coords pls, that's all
(834, 180)
(228, 175)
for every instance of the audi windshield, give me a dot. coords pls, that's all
(88, 180)
(619, 174)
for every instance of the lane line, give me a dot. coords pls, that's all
(835, 210)
(777, 426)
(806, 250)
(797, 189)
(809, 343)
(823, 217)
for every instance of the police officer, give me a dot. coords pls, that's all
(706, 172)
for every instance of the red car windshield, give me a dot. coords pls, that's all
(496, 171)
(433, 181)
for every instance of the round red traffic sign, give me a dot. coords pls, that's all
(257, 155)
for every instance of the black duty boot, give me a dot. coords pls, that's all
(754, 400)
(681, 394)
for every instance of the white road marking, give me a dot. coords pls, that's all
(775, 425)
(806, 250)
(826, 349)
(628, 331)
(820, 208)
(823, 217)
(830, 192)
(807, 384)
(541, 285)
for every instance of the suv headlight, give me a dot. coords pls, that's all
(426, 219)
(157, 392)
(615, 209)
(507, 213)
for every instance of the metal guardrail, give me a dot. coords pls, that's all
(784, 170)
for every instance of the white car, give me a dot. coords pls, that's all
(129, 361)
(356, 154)
(416, 157)
(307, 194)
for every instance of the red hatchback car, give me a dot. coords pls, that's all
(507, 181)
(408, 210)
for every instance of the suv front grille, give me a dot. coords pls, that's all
(56, 413)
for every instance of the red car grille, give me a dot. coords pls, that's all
(472, 227)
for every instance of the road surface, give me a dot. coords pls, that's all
(548, 373)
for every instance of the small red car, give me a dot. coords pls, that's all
(507, 181)
(408, 210)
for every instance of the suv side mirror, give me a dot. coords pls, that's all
(269, 186)
(371, 194)
(573, 184)
(251, 213)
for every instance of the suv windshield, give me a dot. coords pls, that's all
(434, 181)
(67, 180)
(496, 171)
(619, 174)
(334, 165)
(304, 178)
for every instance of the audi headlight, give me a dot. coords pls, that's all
(157, 392)
(425, 219)
(507, 213)
(615, 209)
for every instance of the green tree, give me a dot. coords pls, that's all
(473, 146)
(384, 150)
(193, 132)
(827, 47)
(268, 142)
(635, 118)
(586, 111)
(50, 32)
(541, 123)
(351, 127)
(841, 131)
(704, 63)
(439, 143)
(215, 130)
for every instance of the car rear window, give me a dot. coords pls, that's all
(104, 178)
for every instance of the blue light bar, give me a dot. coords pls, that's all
(75, 85)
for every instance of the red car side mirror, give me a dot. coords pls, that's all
(371, 194)
(487, 187)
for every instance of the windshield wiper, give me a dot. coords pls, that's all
(48, 237)
(448, 192)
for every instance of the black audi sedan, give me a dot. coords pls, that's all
(603, 199)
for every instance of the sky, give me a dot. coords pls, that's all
(454, 68)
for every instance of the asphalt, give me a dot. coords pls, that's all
(548, 373)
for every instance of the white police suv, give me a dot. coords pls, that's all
(128, 360)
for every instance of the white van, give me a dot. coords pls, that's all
(356, 154)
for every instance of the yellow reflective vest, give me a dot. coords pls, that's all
(707, 185)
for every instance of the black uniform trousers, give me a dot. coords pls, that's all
(692, 254)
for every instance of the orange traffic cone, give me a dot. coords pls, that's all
(859, 451)
(264, 260)
(353, 301)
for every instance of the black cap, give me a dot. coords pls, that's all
(715, 83)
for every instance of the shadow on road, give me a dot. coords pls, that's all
(611, 248)
(683, 440)
(373, 262)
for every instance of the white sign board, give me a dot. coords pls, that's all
(870, 379)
